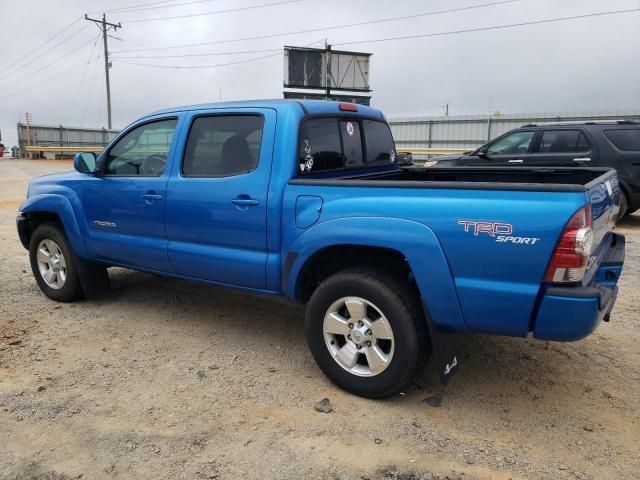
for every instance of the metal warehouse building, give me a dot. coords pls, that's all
(59, 141)
(469, 132)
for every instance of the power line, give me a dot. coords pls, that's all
(142, 7)
(48, 79)
(50, 63)
(43, 53)
(334, 27)
(42, 44)
(495, 27)
(80, 85)
(200, 54)
(203, 66)
(252, 7)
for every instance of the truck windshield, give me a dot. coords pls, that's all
(333, 143)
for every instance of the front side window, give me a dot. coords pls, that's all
(563, 141)
(379, 142)
(516, 143)
(627, 140)
(223, 146)
(142, 151)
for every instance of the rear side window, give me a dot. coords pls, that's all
(627, 140)
(351, 143)
(320, 146)
(379, 142)
(338, 143)
(563, 141)
(222, 146)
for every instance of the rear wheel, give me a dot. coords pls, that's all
(53, 263)
(624, 205)
(367, 332)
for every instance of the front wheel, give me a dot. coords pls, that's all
(367, 332)
(53, 264)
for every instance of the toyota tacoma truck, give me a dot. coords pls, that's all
(305, 200)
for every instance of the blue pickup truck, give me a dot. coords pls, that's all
(305, 200)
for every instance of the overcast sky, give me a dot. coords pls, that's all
(582, 65)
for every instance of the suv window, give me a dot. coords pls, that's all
(379, 142)
(517, 142)
(142, 151)
(563, 141)
(223, 145)
(625, 139)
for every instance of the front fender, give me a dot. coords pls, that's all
(60, 205)
(414, 240)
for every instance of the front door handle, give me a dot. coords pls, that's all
(582, 159)
(151, 197)
(245, 202)
(516, 161)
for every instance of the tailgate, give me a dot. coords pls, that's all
(604, 198)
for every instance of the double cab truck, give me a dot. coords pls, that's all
(305, 200)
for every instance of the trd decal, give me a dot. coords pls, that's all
(103, 224)
(501, 232)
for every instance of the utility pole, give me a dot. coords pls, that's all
(327, 75)
(446, 111)
(105, 26)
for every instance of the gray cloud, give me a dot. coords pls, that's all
(584, 65)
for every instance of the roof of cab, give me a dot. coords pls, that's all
(317, 107)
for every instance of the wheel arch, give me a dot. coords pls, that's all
(409, 247)
(50, 208)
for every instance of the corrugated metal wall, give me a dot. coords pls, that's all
(474, 130)
(61, 136)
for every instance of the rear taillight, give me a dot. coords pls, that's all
(571, 256)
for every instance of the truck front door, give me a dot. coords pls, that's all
(216, 215)
(124, 205)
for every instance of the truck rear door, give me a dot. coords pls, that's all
(216, 208)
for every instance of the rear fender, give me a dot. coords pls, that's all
(59, 205)
(415, 241)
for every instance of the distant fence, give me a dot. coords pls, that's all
(469, 132)
(61, 141)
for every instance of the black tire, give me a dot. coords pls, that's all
(624, 206)
(399, 303)
(71, 290)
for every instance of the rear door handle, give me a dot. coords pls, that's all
(582, 159)
(245, 202)
(516, 161)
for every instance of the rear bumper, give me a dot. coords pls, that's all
(571, 313)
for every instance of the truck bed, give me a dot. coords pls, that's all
(482, 178)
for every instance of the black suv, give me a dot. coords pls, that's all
(597, 143)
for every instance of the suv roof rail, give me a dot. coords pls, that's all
(583, 122)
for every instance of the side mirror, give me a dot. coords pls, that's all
(85, 162)
(482, 154)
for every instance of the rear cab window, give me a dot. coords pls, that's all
(338, 143)
(625, 139)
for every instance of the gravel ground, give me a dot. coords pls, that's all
(169, 379)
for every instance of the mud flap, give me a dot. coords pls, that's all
(444, 352)
(94, 279)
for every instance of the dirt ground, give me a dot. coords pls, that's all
(169, 379)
